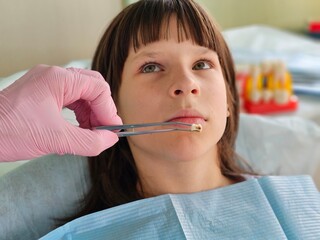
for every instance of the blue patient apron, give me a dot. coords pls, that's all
(264, 208)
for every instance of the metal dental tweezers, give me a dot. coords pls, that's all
(123, 129)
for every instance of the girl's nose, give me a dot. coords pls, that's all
(181, 92)
(184, 85)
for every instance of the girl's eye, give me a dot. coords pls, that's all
(151, 67)
(202, 65)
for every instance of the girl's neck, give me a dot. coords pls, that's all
(159, 177)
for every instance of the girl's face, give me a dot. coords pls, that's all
(174, 81)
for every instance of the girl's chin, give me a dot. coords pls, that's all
(176, 145)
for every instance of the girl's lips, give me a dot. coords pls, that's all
(191, 120)
(188, 116)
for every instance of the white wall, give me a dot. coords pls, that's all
(50, 31)
(285, 14)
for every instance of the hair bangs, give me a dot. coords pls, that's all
(151, 23)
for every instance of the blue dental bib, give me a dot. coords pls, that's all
(263, 208)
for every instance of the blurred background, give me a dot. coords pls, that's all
(57, 31)
(292, 15)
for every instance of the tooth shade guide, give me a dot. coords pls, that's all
(196, 127)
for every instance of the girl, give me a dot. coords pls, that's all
(166, 60)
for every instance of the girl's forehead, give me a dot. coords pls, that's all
(170, 44)
(167, 36)
(170, 28)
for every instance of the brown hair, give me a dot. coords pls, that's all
(113, 173)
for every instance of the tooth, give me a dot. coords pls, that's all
(267, 95)
(281, 96)
(255, 96)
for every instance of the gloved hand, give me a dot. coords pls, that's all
(31, 124)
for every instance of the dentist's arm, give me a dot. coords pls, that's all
(31, 124)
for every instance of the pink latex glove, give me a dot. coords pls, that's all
(31, 124)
